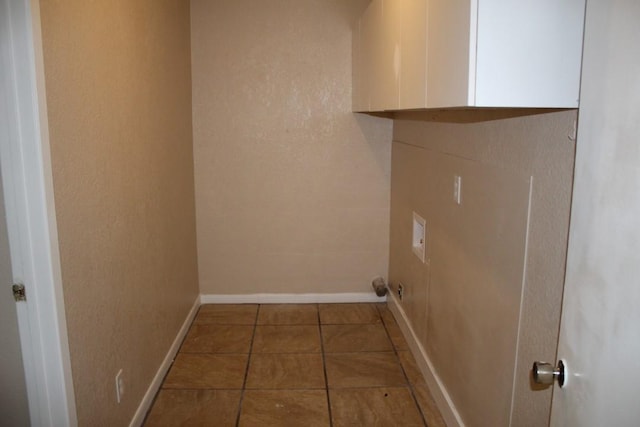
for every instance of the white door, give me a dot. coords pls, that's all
(30, 215)
(14, 406)
(600, 330)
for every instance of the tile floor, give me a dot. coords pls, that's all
(294, 365)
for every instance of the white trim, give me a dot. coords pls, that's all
(147, 400)
(440, 395)
(291, 298)
(26, 169)
(516, 360)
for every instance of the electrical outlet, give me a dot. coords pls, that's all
(457, 189)
(400, 291)
(119, 385)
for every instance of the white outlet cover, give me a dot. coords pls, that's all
(457, 189)
(119, 386)
(419, 241)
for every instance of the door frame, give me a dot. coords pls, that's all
(30, 210)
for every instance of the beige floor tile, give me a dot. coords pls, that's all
(227, 314)
(380, 306)
(382, 407)
(286, 339)
(291, 408)
(288, 314)
(285, 384)
(384, 310)
(201, 408)
(218, 339)
(348, 313)
(423, 395)
(364, 370)
(286, 371)
(428, 406)
(398, 339)
(386, 314)
(410, 367)
(200, 371)
(352, 338)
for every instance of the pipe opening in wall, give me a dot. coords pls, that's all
(379, 286)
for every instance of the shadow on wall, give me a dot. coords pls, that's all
(374, 129)
(470, 115)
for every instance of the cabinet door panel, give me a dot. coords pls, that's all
(529, 53)
(451, 66)
(359, 99)
(375, 55)
(413, 49)
(368, 54)
(384, 94)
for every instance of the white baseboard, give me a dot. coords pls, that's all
(291, 298)
(438, 391)
(147, 400)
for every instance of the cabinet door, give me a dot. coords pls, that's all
(529, 53)
(451, 45)
(359, 102)
(386, 72)
(413, 52)
(369, 34)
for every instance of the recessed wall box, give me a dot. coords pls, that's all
(419, 244)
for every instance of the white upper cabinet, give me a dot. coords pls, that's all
(416, 54)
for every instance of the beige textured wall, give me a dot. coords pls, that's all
(465, 303)
(292, 189)
(119, 101)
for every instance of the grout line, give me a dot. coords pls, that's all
(331, 353)
(371, 387)
(363, 387)
(404, 371)
(216, 353)
(324, 368)
(286, 389)
(352, 324)
(310, 352)
(415, 400)
(287, 324)
(246, 372)
(220, 323)
(203, 389)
